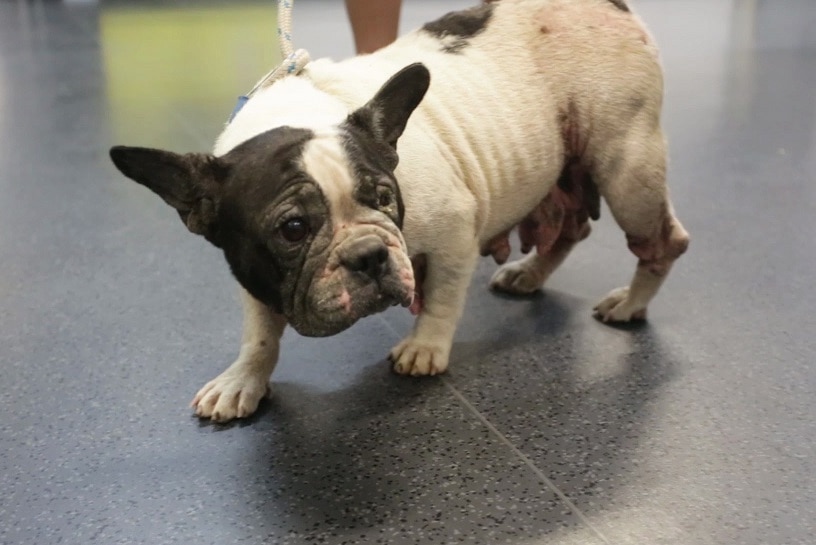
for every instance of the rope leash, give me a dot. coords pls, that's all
(293, 62)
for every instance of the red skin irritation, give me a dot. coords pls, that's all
(563, 213)
(658, 253)
(419, 264)
(345, 301)
(498, 247)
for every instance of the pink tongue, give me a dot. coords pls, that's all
(416, 305)
(418, 263)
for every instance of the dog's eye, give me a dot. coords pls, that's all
(295, 229)
(384, 197)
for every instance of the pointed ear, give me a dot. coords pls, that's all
(190, 183)
(386, 115)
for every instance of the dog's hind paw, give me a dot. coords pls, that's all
(415, 357)
(235, 393)
(618, 307)
(516, 278)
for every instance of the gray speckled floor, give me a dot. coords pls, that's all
(697, 428)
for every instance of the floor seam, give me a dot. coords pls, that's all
(524, 458)
(513, 448)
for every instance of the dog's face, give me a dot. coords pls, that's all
(309, 222)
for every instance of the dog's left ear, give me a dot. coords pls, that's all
(386, 115)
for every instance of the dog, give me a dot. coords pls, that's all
(380, 180)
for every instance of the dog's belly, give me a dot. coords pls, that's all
(562, 213)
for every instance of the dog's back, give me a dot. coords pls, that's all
(517, 87)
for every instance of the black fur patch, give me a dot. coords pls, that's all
(239, 202)
(370, 137)
(373, 164)
(456, 28)
(620, 4)
(265, 188)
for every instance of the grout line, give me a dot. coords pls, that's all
(503, 438)
(524, 458)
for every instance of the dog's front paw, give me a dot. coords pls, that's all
(417, 357)
(235, 393)
(618, 307)
(517, 278)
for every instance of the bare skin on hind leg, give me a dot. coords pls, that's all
(639, 201)
(656, 257)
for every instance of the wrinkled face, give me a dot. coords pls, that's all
(313, 229)
(309, 221)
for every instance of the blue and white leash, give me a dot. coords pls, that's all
(293, 60)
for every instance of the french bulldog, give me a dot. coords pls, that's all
(379, 180)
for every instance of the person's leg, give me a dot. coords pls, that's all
(374, 23)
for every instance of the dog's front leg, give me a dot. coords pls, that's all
(426, 350)
(235, 393)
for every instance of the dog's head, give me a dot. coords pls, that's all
(310, 222)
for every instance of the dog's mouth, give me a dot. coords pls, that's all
(406, 299)
(364, 296)
(375, 297)
(339, 302)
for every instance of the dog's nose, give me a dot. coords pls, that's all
(367, 255)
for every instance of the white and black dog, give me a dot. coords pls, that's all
(379, 180)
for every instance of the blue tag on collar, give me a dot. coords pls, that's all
(240, 104)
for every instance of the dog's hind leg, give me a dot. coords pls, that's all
(236, 392)
(632, 180)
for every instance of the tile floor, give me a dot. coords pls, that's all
(697, 428)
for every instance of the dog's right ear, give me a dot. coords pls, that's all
(190, 183)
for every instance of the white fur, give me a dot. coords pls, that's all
(325, 161)
(303, 106)
(487, 144)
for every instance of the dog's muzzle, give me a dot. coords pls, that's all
(368, 257)
(367, 271)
